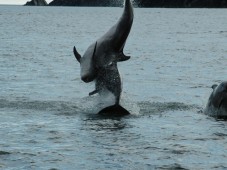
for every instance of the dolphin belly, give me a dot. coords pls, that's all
(108, 78)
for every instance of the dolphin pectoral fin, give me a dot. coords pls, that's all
(123, 57)
(76, 54)
(93, 92)
(114, 111)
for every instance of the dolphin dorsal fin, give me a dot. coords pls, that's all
(122, 57)
(76, 54)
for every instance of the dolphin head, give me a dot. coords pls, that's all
(87, 65)
(218, 97)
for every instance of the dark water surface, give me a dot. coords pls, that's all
(47, 120)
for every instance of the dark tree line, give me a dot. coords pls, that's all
(36, 3)
(183, 3)
(86, 3)
(140, 3)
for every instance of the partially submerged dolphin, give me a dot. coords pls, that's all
(109, 47)
(217, 103)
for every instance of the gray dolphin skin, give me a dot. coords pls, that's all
(217, 102)
(109, 47)
(99, 62)
(108, 78)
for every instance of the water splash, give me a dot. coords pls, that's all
(93, 104)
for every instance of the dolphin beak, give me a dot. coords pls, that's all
(86, 79)
(90, 77)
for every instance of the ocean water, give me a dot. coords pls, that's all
(47, 120)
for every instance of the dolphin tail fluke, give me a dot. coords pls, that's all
(114, 111)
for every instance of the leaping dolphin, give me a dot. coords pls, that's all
(109, 47)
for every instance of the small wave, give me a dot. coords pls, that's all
(159, 107)
(218, 114)
(4, 153)
(59, 106)
(173, 166)
(91, 105)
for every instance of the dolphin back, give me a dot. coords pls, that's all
(110, 45)
(124, 26)
(118, 34)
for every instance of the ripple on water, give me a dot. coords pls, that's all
(4, 153)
